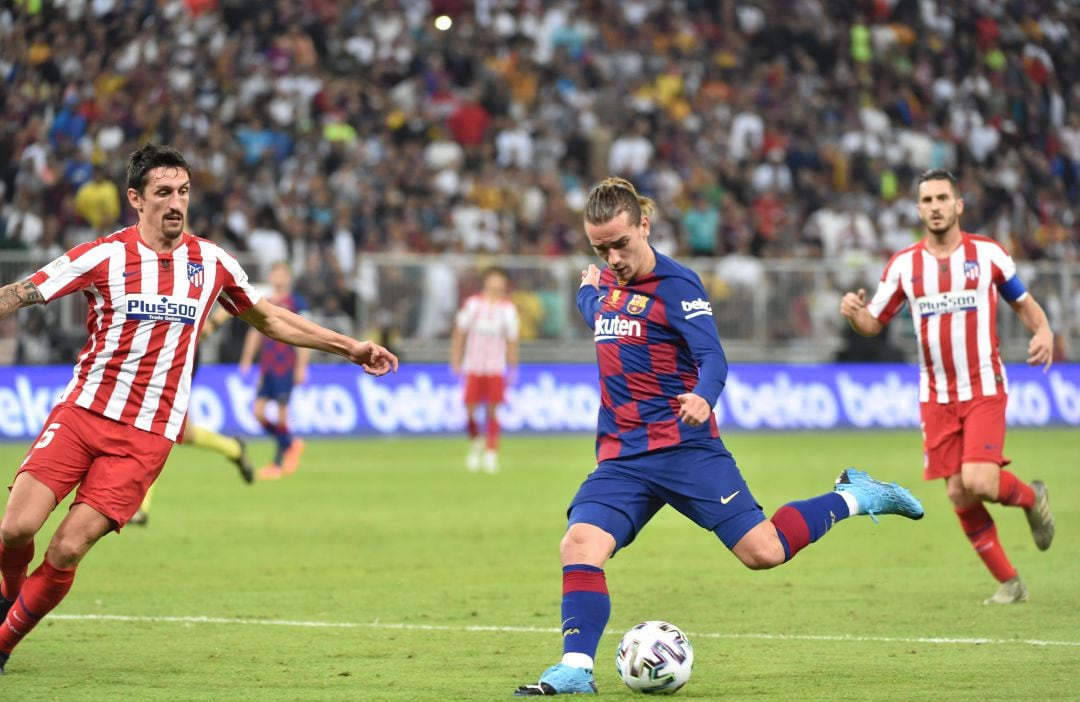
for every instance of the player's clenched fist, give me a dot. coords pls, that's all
(591, 276)
(851, 303)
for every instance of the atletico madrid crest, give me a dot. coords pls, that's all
(637, 304)
(971, 270)
(195, 274)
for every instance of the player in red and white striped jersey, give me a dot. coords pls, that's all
(484, 347)
(951, 280)
(150, 288)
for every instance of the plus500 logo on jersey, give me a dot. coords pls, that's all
(946, 303)
(161, 308)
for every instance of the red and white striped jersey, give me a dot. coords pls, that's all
(488, 326)
(954, 307)
(146, 310)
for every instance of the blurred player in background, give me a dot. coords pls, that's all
(484, 347)
(951, 280)
(661, 373)
(231, 447)
(281, 368)
(150, 288)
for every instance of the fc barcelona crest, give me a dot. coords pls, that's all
(637, 304)
(196, 274)
(971, 270)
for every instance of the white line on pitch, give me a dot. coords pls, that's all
(551, 630)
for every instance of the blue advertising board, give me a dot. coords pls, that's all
(340, 400)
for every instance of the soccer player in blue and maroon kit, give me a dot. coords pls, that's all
(281, 367)
(661, 372)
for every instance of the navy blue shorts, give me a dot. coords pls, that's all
(276, 387)
(701, 481)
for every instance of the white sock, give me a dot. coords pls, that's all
(852, 503)
(577, 660)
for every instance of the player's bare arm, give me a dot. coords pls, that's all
(1041, 347)
(18, 295)
(853, 307)
(288, 327)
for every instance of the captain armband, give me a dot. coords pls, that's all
(1012, 289)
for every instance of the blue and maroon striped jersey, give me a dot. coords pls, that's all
(655, 339)
(277, 357)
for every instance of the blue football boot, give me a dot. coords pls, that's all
(560, 679)
(875, 497)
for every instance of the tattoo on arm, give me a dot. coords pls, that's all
(18, 295)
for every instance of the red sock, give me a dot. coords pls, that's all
(473, 428)
(982, 533)
(493, 432)
(1014, 492)
(13, 562)
(42, 591)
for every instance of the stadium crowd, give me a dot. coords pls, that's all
(323, 130)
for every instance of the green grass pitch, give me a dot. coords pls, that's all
(383, 570)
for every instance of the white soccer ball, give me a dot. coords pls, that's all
(655, 658)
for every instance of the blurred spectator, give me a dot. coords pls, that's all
(702, 226)
(36, 344)
(98, 202)
(801, 122)
(21, 226)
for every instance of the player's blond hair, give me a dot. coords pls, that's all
(614, 195)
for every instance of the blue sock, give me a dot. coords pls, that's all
(284, 440)
(801, 523)
(586, 607)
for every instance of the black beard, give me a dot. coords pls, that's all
(941, 229)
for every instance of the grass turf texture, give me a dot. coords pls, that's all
(394, 531)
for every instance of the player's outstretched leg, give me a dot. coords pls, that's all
(243, 464)
(1039, 516)
(14, 561)
(1012, 591)
(560, 679)
(41, 592)
(586, 607)
(875, 497)
(981, 531)
(1034, 499)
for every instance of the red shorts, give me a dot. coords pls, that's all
(962, 432)
(484, 389)
(115, 463)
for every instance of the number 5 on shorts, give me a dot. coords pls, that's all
(47, 435)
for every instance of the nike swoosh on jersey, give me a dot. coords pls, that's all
(729, 498)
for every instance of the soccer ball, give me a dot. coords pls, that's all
(655, 658)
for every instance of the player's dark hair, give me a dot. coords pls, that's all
(937, 174)
(148, 157)
(614, 195)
